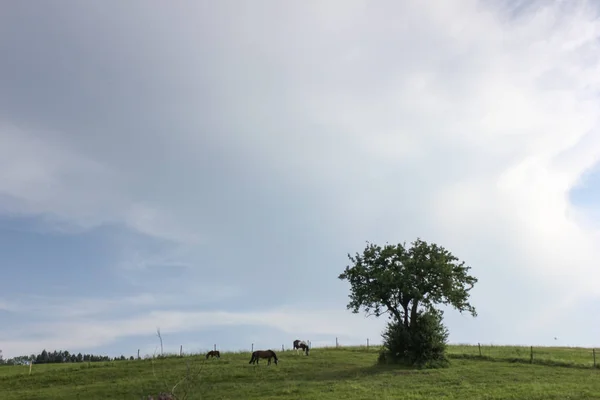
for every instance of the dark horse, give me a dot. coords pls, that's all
(268, 354)
(301, 344)
(213, 353)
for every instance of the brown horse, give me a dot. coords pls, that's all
(213, 353)
(268, 354)
(301, 344)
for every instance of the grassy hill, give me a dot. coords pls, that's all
(346, 373)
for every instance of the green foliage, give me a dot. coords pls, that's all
(423, 344)
(57, 357)
(396, 280)
(407, 284)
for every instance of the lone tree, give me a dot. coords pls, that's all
(408, 284)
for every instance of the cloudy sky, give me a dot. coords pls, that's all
(205, 167)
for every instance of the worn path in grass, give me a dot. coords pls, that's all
(325, 374)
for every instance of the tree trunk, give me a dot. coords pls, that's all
(413, 311)
(406, 324)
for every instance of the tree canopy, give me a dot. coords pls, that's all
(402, 281)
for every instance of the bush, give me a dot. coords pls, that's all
(422, 344)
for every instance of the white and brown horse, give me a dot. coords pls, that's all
(301, 344)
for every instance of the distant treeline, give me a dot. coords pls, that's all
(61, 356)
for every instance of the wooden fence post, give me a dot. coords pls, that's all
(479, 344)
(336, 343)
(367, 344)
(215, 347)
(594, 354)
(531, 356)
(180, 350)
(252, 347)
(282, 348)
(138, 354)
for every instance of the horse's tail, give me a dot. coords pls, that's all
(274, 355)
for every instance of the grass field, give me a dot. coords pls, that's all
(348, 373)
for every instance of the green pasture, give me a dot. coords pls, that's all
(346, 373)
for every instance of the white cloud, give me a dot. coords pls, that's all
(41, 176)
(157, 223)
(88, 334)
(79, 307)
(455, 122)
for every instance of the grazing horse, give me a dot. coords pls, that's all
(301, 344)
(268, 354)
(213, 353)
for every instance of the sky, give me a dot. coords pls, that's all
(205, 167)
